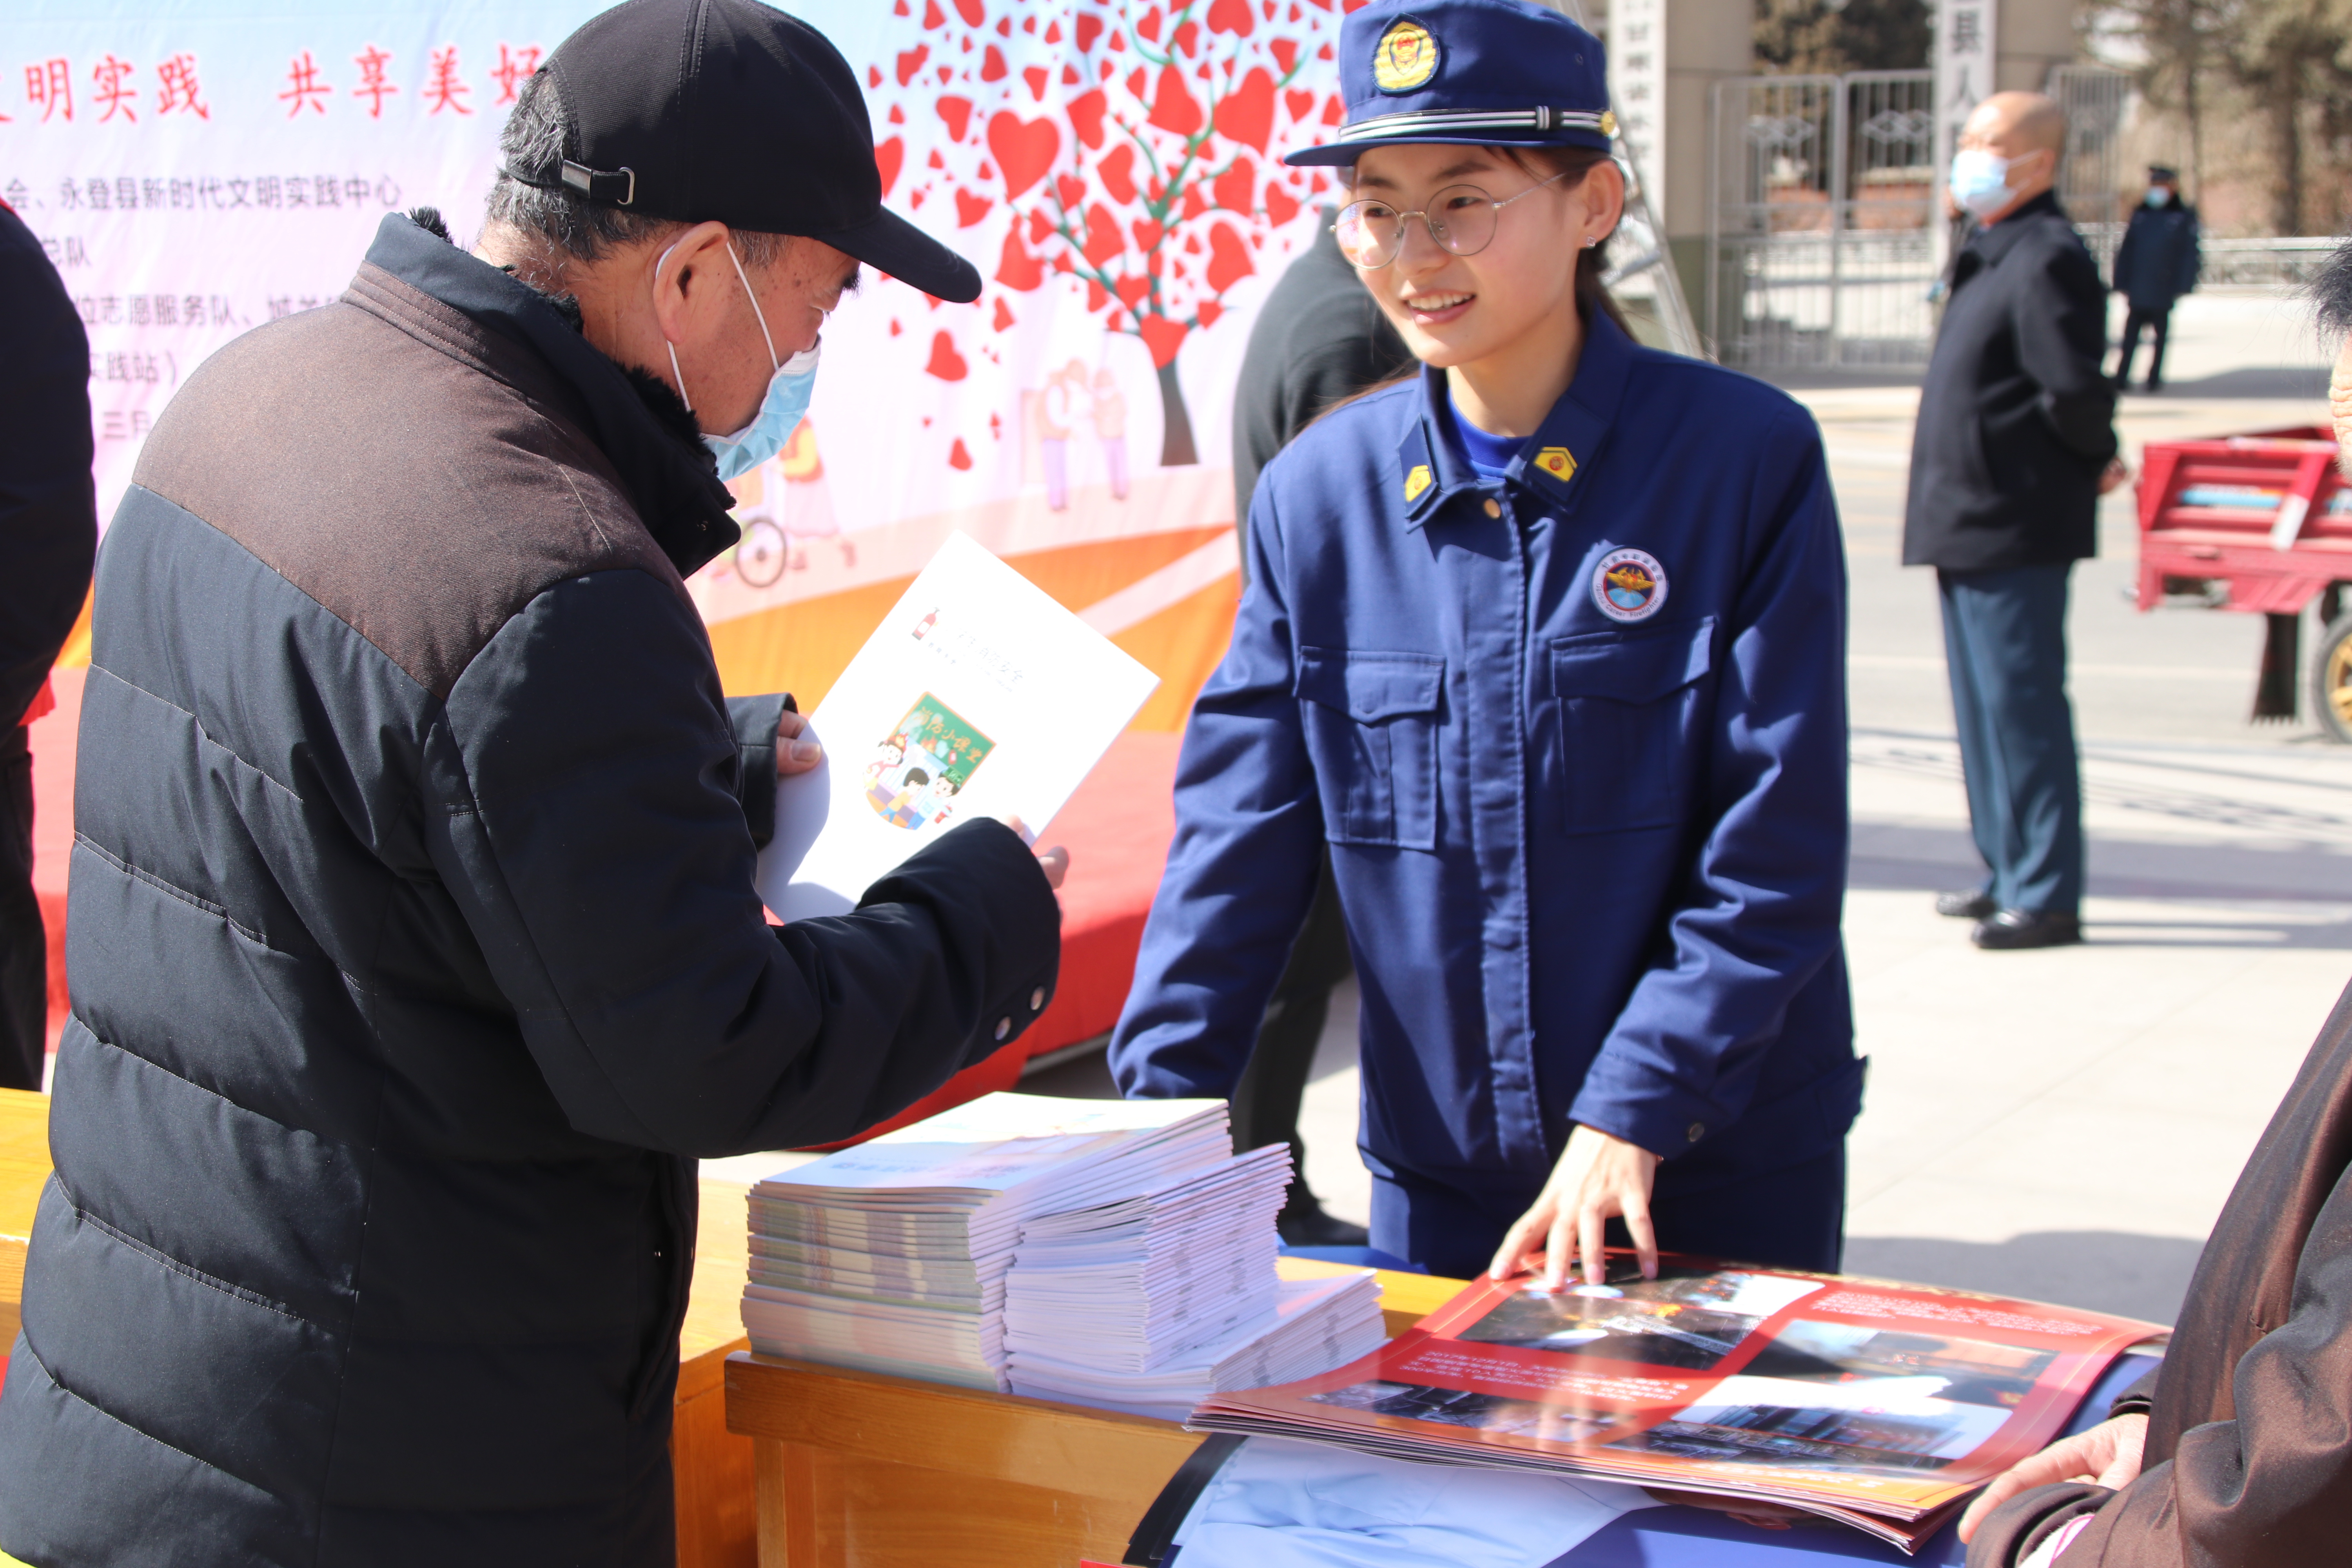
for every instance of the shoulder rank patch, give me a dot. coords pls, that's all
(1416, 481)
(1405, 58)
(1629, 585)
(1557, 461)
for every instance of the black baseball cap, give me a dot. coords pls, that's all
(730, 110)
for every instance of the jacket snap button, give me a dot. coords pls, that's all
(1697, 1129)
(1494, 507)
(1003, 1027)
(1036, 999)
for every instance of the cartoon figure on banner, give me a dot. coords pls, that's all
(1110, 429)
(923, 763)
(776, 515)
(1060, 407)
(1074, 396)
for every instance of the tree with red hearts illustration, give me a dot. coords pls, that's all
(1134, 147)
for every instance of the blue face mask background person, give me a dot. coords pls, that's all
(1547, 643)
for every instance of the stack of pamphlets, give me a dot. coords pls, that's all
(891, 1257)
(1880, 1405)
(1151, 1304)
(1315, 1324)
(1131, 1286)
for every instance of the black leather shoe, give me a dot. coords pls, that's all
(1976, 904)
(1304, 1222)
(2014, 928)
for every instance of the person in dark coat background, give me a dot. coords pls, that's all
(2237, 1450)
(48, 530)
(415, 954)
(2015, 445)
(1318, 339)
(2154, 266)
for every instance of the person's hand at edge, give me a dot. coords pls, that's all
(1598, 1177)
(2114, 475)
(1054, 860)
(796, 745)
(2108, 1456)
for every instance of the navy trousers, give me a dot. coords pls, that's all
(2005, 646)
(1793, 1217)
(2137, 320)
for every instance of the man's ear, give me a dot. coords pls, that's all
(688, 268)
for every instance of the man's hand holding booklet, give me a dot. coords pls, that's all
(977, 696)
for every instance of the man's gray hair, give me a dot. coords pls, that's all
(568, 224)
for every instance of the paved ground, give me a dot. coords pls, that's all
(2062, 1125)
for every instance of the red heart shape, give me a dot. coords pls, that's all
(970, 208)
(1025, 149)
(887, 158)
(1232, 16)
(945, 362)
(1301, 102)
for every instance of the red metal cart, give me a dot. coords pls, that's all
(2264, 522)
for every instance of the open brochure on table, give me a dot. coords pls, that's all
(977, 696)
(1878, 1405)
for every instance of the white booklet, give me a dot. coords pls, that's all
(977, 696)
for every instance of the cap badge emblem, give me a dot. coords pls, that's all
(1557, 461)
(1416, 481)
(1629, 585)
(1405, 58)
(1609, 122)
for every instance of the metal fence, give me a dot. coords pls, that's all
(1825, 199)
(1819, 247)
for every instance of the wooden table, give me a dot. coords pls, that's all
(884, 1472)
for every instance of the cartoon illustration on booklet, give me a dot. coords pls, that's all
(923, 763)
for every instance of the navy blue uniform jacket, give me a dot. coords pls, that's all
(1591, 867)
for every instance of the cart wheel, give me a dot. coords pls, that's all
(2331, 680)
(760, 558)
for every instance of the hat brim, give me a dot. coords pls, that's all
(892, 245)
(1338, 154)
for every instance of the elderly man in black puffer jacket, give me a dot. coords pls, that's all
(414, 948)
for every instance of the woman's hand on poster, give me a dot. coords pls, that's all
(1598, 1177)
(2108, 1456)
(1054, 861)
(796, 745)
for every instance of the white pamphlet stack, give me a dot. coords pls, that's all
(891, 1257)
(1152, 1303)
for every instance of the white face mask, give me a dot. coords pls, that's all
(780, 409)
(1979, 182)
(2158, 196)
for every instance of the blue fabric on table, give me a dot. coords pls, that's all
(1697, 1537)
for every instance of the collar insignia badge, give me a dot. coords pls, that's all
(1417, 481)
(1405, 58)
(1557, 461)
(1629, 585)
(1609, 122)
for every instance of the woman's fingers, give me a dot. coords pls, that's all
(1519, 1239)
(1559, 1248)
(1056, 864)
(1591, 1227)
(1635, 1205)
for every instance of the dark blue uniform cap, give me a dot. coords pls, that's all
(1477, 73)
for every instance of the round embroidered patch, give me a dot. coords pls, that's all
(1405, 58)
(1629, 585)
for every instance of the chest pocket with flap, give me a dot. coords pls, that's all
(1627, 711)
(1371, 722)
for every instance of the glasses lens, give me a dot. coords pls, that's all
(1462, 217)
(1367, 232)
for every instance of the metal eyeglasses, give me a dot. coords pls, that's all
(1460, 218)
